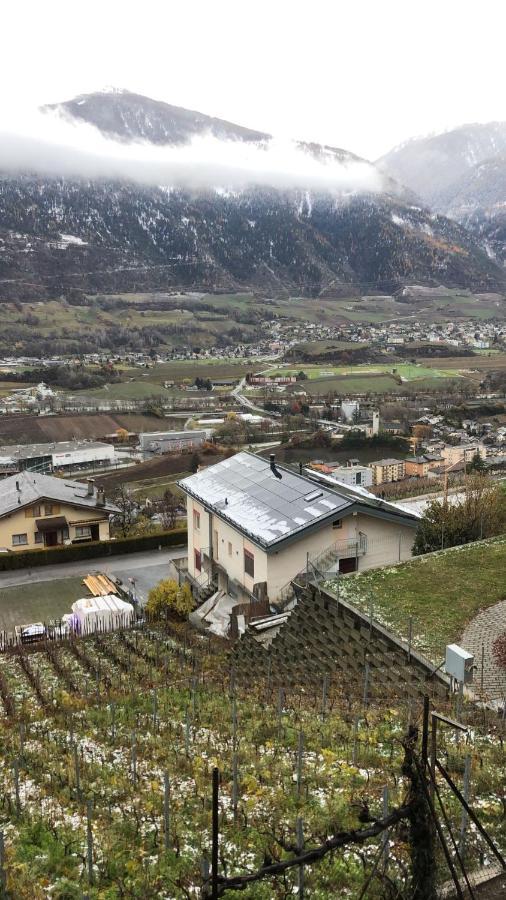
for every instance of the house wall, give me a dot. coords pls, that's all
(452, 455)
(233, 563)
(419, 469)
(387, 543)
(18, 523)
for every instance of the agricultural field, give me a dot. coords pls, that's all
(109, 744)
(368, 377)
(406, 371)
(35, 429)
(482, 362)
(436, 590)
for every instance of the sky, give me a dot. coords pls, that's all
(359, 74)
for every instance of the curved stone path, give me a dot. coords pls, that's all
(482, 632)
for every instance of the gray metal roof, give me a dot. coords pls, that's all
(272, 506)
(29, 487)
(33, 451)
(245, 491)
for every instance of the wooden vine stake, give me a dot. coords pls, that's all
(3, 879)
(89, 841)
(166, 811)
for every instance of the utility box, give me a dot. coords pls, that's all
(459, 663)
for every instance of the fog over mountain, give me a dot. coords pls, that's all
(122, 135)
(114, 191)
(462, 174)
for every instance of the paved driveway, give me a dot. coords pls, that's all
(148, 568)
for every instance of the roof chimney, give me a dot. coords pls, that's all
(91, 487)
(100, 497)
(17, 486)
(274, 470)
(300, 468)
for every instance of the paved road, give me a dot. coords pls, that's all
(147, 568)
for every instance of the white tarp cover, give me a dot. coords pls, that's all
(101, 614)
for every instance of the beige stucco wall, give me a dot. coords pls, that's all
(387, 543)
(234, 562)
(17, 523)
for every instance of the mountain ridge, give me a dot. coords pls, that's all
(105, 234)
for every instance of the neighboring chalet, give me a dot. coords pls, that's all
(253, 525)
(41, 511)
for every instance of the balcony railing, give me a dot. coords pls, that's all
(322, 565)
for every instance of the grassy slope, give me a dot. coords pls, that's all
(442, 591)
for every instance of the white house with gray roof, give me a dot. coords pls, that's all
(39, 511)
(253, 525)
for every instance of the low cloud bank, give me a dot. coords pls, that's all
(49, 145)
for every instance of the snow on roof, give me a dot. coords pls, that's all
(271, 503)
(26, 487)
(268, 505)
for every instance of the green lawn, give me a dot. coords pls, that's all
(38, 601)
(408, 371)
(154, 488)
(442, 592)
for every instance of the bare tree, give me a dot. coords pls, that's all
(127, 506)
(169, 506)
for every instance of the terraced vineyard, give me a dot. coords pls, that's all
(108, 745)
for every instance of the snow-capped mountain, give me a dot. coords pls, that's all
(100, 233)
(431, 165)
(130, 117)
(462, 174)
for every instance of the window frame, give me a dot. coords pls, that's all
(249, 563)
(20, 543)
(53, 507)
(337, 523)
(196, 520)
(197, 556)
(31, 512)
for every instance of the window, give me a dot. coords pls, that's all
(198, 560)
(83, 531)
(249, 563)
(51, 509)
(32, 512)
(196, 520)
(358, 477)
(337, 523)
(39, 537)
(18, 539)
(230, 548)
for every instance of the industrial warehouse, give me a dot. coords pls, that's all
(63, 456)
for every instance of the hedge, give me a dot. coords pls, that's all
(74, 552)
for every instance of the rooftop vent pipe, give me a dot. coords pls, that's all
(274, 470)
(17, 486)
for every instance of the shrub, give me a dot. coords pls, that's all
(167, 598)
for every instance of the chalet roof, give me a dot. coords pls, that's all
(26, 487)
(272, 504)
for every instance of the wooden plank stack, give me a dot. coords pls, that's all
(100, 585)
